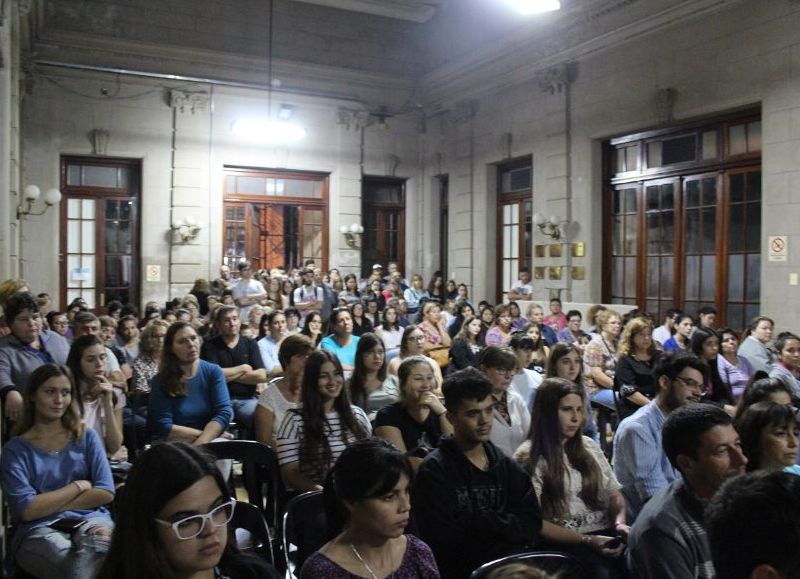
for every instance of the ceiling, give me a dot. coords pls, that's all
(412, 10)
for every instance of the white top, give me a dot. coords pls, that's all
(244, 288)
(523, 384)
(508, 437)
(523, 289)
(578, 515)
(661, 334)
(269, 348)
(391, 338)
(272, 399)
(94, 415)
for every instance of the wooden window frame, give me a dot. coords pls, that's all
(722, 167)
(503, 199)
(134, 192)
(319, 203)
(400, 208)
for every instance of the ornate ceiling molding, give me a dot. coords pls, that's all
(524, 56)
(412, 10)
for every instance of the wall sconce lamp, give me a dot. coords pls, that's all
(548, 225)
(187, 229)
(352, 234)
(29, 196)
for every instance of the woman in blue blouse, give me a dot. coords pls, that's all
(56, 479)
(189, 400)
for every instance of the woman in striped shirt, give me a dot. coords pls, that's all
(311, 438)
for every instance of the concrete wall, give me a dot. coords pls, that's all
(65, 106)
(748, 54)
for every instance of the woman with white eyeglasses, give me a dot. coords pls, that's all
(172, 521)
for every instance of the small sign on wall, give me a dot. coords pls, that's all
(80, 274)
(778, 248)
(153, 273)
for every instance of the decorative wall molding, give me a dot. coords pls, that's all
(352, 119)
(191, 101)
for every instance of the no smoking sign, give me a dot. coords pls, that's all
(778, 248)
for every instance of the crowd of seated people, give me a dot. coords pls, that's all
(412, 409)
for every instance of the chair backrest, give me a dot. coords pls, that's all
(552, 562)
(303, 528)
(259, 470)
(251, 519)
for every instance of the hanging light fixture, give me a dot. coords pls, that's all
(270, 131)
(528, 7)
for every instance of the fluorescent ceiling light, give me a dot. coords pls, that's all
(265, 131)
(535, 6)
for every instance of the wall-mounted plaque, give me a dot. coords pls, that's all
(538, 272)
(555, 249)
(578, 249)
(540, 251)
(554, 271)
(579, 273)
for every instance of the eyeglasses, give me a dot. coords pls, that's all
(505, 371)
(190, 527)
(416, 338)
(689, 383)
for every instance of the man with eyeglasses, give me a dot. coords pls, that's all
(640, 463)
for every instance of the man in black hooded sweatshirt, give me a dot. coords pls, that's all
(472, 503)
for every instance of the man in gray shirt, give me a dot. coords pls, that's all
(668, 539)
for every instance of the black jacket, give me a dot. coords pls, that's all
(469, 516)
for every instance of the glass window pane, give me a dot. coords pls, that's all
(667, 196)
(709, 145)
(112, 209)
(736, 278)
(692, 231)
(738, 139)
(87, 261)
(87, 237)
(73, 175)
(125, 209)
(667, 278)
(124, 178)
(617, 236)
(630, 276)
(618, 266)
(736, 187)
(735, 228)
(754, 136)
(707, 284)
(312, 189)
(653, 234)
(105, 177)
(73, 261)
(753, 277)
(692, 193)
(514, 233)
(630, 235)
(653, 195)
(632, 158)
(754, 186)
(679, 150)
(709, 191)
(617, 201)
(653, 277)
(87, 208)
(73, 208)
(506, 214)
(73, 294)
(751, 311)
(506, 241)
(250, 185)
(692, 278)
(654, 154)
(630, 201)
(668, 232)
(73, 236)
(619, 159)
(709, 233)
(753, 227)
